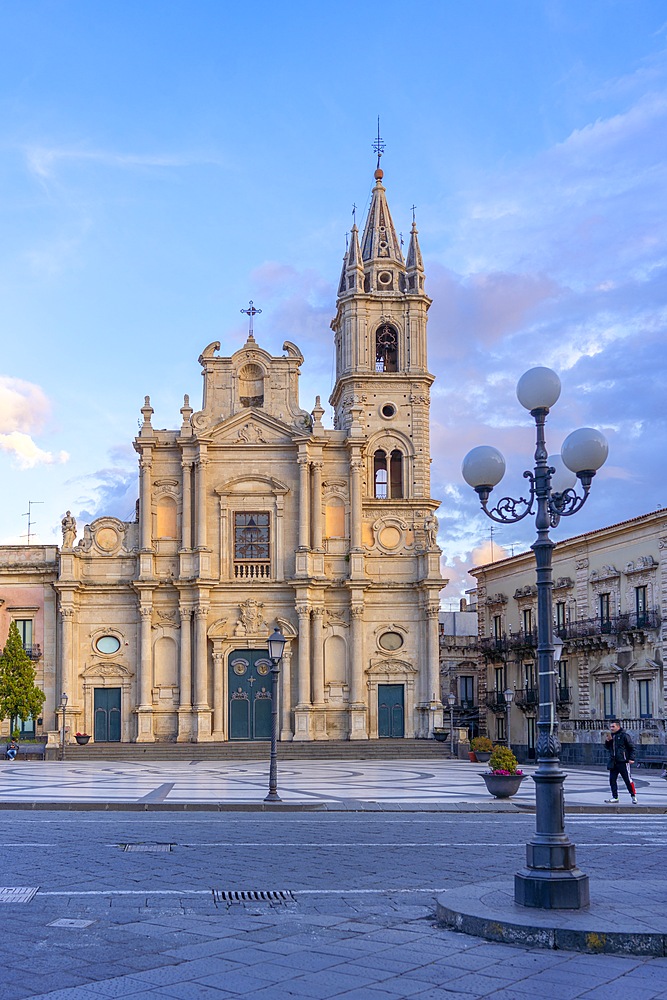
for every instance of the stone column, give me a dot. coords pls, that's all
(286, 694)
(145, 708)
(200, 497)
(67, 655)
(186, 514)
(303, 710)
(432, 679)
(317, 656)
(218, 687)
(201, 705)
(304, 505)
(146, 508)
(358, 690)
(355, 503)
(185, 678)
(317, 505)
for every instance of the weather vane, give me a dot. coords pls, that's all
(250, 312)
(354, 213)
(378, 144)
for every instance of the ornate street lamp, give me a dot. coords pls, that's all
(509, 695)
(551, 879)
(276, 644)
(451, 701)
(63, 705)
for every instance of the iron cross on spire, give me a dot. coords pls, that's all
(413, 214)
(378, 144)
(250, 312)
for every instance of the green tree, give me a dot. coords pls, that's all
(19, 695)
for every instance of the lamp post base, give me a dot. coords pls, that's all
(273, 797)
(552, 890)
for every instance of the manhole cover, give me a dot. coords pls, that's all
(253, 896)
(68, 922)
(20, 894)
(144, 848)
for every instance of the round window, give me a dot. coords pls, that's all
(384, 277)
(390, 640)
(388, 410)
(107, 644)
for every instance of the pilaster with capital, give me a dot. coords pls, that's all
(355, 501)
(66, 665)
(304, 504)
(146, 465)
(218, 694)
(201, 500)
(286, 694)
(201, 658)
(358, 711)
(317, 505)
(186, 515)
(303, 661)
(433, 695)
(145, 707)
(185, 677)
(317, 656)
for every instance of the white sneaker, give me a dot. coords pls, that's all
(634, 800)
(612, 801)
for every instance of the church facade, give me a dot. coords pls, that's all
(252, 515)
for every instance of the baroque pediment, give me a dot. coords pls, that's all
(250, 427)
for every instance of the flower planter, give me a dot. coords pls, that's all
(472, 756)
(482, 756)
(440, 737)
(82, 740)
(502, 786)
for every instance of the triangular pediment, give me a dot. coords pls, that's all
(248, 428)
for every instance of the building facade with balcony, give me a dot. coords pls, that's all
(610, 611)
(252, 514)
(459, 667)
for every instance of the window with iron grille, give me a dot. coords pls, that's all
(252, 552)
(609, 700)
(645, 699)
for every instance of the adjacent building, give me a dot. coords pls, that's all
(610, 611)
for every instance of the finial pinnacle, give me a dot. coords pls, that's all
(250, 312)
(379, 147)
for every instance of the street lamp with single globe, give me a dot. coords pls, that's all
(451, 701)
(509, 695)
(276, 644)
(551, 879)
(63, 705)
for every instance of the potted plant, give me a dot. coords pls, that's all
(481, 746)
(504, 776)
(81, 738)
(440, 734)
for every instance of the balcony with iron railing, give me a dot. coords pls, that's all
(495, 700)
(34, 651)
(612, 625)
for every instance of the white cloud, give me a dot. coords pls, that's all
(43, 160)
(26, 453)
(24, 411)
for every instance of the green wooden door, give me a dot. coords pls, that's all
(107, 715)
(249, 675)
(391, 712)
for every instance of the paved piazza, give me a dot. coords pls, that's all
(427, 784)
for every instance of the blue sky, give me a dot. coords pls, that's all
(161, 163)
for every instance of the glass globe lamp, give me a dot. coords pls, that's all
(538, 389)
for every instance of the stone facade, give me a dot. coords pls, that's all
(252, 515)
(610, 610)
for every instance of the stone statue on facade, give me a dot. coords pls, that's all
(431, 530)
(68, 525)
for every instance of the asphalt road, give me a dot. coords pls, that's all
(146, 923)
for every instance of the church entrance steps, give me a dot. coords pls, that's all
(334, 750)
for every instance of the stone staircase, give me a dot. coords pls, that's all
(333, 750)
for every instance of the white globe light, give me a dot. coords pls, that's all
(585, 450)
(483, 466)
(538, 389)
(562, 479)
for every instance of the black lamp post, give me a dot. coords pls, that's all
(551, 879)
(509, 695)
(63, 705)
(451, 701)
(276, 644)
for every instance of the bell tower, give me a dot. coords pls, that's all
(380, 339)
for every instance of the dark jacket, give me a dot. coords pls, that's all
(620, 747)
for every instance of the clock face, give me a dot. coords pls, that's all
(390, 641)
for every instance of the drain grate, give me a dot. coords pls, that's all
(19, 894)
(69, 922)
(146, 848)
(253, 896)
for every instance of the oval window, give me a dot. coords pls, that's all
(390, 640)
(107, 644)
(388, 410)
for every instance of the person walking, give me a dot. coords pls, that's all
(621, 752)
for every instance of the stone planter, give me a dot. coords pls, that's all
(82, 740)
(440, 737)
(483, 755)
(502, 786)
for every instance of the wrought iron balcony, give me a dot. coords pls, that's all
(495, 700)
(527, 697)
(34, 651)
(612, 625)
(564, 695)
(494, 647)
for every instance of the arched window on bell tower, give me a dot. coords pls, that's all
(396, 475)
(380, 474)
(386, 349)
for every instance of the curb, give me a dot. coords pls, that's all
(488, 910)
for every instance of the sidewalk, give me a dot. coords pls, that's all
(351, 785)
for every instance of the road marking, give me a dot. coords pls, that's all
(207, 892)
